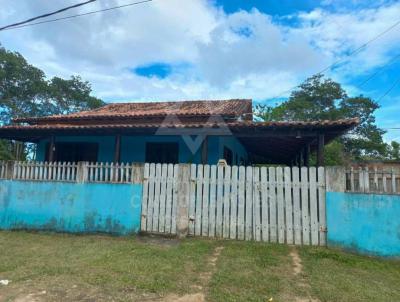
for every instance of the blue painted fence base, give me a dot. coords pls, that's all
(367, 223)
(70, 207)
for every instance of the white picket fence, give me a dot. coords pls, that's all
(3, 169)
(364, 180)
(273, 204)
(72, 172)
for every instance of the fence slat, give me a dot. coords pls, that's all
(322, 206)
(249, 203)
(150, 204)
(288, 206)
(241, 203)
(361, 179)
(366, 180)
(264, 204)
(220, 200)
(394, 190)
(273, 236)
(199, 200)
(213, 196)
(313, 206)
(227, 193)
(296, 206)
(145, 201)
(175, 198)
(168, 202)
(163, 197)
(192, 199)
(305, 206)
(156, 204)
(234, 202)
(280, 208)
(256, 205)
(206, 191)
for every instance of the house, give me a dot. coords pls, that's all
(174, 132)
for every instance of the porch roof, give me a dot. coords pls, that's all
(269, 141)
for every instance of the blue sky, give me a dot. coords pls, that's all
(213, 49)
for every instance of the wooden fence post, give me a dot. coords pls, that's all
(182, 210)
(9, 169)
(137, 173)
(82, 172)
(335, 179)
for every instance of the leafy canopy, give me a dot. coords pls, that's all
(25, 91)
(323, 99)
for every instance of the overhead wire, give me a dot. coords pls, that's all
(358, 49)
(80, 15)
(46, 15)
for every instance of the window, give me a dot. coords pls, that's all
(228, 156)
(74, 152)
(162, 153)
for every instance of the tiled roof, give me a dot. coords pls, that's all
(234, 107)
(347, 123)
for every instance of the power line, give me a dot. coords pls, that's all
(46, 15)
(80, 15)
(379, 70)
(358, 49)
(389, 90)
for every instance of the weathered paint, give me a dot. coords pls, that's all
(70, 207)
(368, 223)
(133, 148)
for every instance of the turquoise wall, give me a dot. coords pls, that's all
(133, 148)
(70, 207)
(369, 223)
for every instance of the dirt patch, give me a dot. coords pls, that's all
(297, 266)
(158, 240)
(199, 297)
(205, 278)
(34, 297)
(297, 271)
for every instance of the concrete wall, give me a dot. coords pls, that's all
(70, 207)
(368, 223)
(133, 148)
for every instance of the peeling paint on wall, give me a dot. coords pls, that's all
(70, 207)
(368, 223)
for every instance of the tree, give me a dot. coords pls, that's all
(323, 99)
(25, 91)
(394, 151)
(71, 95)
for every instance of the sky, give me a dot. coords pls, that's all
(217, 49)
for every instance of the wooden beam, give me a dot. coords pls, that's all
(307, 151)
(320, 150)
(204, 151)
(117, 149)
(52, 149)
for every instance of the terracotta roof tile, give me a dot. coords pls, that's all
(237, 124)
(234, 107)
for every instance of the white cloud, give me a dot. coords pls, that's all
(261, 62)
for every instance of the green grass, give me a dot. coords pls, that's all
(249, 271)
(338, 276)
(101, 268)
(109, 265)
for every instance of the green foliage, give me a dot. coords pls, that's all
(323, 99)
(25, 91)
(394, 151)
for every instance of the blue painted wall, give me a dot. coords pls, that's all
(70, 207)
(133, 148)
(368, 223)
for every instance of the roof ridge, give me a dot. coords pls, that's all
(136, 109)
